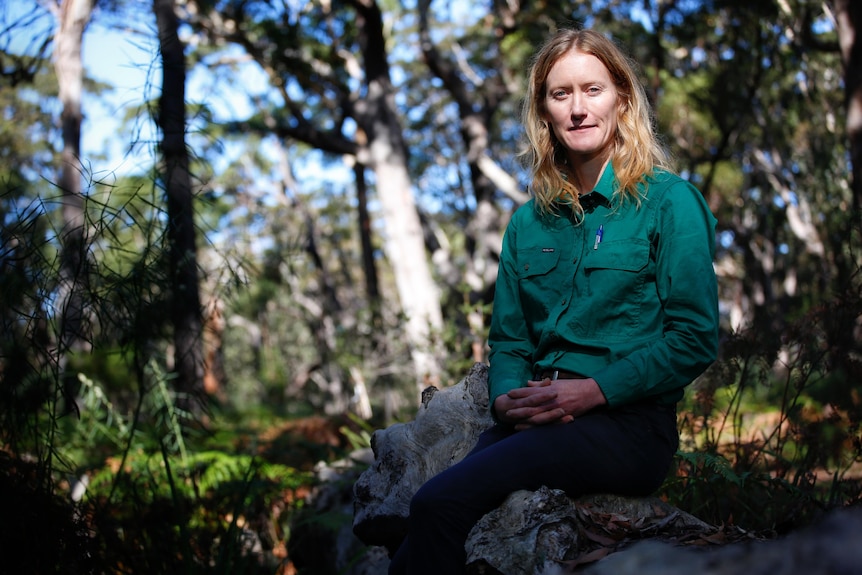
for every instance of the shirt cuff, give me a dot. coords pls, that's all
(611, 383)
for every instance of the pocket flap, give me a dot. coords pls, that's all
(535, 261)
(631, 255)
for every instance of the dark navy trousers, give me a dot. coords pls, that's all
(624, 451)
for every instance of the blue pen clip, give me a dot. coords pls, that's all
(599, 233)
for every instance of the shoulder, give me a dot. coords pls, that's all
(526, 214)
(530, 208)
(664, 186)
(675, 202)
(530, 226)
(662, 179)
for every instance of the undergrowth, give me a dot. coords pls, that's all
(101, 469)
(771, 435)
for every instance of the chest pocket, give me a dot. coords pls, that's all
(536, 261)
(617, 275)
(536, 279)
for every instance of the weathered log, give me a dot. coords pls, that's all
(544, 530)
(529, 530)
(406, 455)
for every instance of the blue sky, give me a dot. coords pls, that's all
(122, 59)
(122, 53)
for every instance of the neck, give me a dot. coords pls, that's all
(588, 172)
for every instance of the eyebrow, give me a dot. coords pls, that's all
(600, 83)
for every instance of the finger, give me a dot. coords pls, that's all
(523, 413)
(550, 417)
(557, 415)
(532, 395)
(523, 392)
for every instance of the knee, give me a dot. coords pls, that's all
(427, 501)
(443, 498)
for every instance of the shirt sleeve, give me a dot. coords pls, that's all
(511, 355)
(684, 247)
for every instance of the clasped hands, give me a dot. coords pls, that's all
(548, 401)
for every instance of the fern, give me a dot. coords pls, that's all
(168, 413)
(99, 413)
(715, 462)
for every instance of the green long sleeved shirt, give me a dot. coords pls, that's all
(627, 297)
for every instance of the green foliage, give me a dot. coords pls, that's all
(772, 436)
(711, 463)
(466, 339)
(157, 500)
(178, 506)
(99, 416)
(358, 439)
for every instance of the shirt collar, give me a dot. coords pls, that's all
(603, 192)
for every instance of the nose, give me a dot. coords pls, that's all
(578, 110)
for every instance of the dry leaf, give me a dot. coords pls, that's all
(600, 539)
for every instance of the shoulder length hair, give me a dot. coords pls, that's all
(636, 152)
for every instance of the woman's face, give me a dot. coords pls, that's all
(581, 106)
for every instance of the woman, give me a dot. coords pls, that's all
(605, 308)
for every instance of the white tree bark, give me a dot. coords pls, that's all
(72, 19)
(405, 248)
(403, 237)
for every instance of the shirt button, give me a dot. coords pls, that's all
(564, 302)
(526, 267)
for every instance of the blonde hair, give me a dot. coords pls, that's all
(636, 149)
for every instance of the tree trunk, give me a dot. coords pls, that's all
(403, 237)
(369, 267)
(476, 108)
(849, 16)
(186, 307)
(73, 17)
(379, 146)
